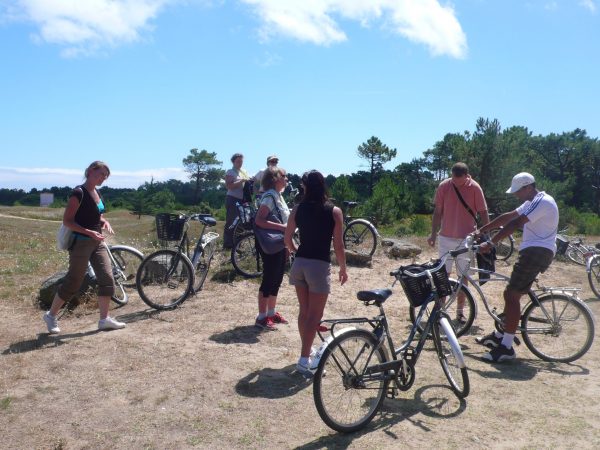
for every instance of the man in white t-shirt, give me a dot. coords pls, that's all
(272, 161)
(538, 216)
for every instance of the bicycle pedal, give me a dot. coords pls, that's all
(392, 392)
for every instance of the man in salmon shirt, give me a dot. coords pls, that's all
(453, 221)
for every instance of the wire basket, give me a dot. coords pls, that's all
(418, 290)
(169, 227)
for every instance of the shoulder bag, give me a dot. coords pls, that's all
(484, 262)
(270, 241)
(65, 236)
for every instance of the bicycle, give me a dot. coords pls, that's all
(360, 235)
(592, 267)
(555, 325)
(125, 261)
(355, 367)
(245, 258)
(573, 248)
(167, 277)
(243, 221)
(505, 247)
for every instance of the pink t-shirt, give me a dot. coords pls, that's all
(456, 220)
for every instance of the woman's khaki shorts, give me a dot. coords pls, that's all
(313, 274)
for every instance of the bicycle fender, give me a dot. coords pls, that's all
(367, 223)
(588, 263)
(321, 350)
(453, 341)
(126, 247)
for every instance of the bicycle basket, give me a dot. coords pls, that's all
(169, 227)
(561, 244)
(418, 290)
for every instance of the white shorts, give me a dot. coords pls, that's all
(463, 261)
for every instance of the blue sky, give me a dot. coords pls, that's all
(138, 83)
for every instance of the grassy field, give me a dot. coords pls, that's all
(202, 376)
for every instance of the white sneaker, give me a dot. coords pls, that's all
(110, 324)
(305, 371)
(51, 323)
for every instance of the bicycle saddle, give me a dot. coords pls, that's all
(378, 295)
(350, 204)
(208, 221)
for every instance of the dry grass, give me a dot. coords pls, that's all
(202, 377)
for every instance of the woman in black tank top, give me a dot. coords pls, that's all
(84, 216)
(318, 222)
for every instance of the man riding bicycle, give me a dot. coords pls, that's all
(538, 216)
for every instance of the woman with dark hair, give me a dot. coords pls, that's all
(235, 179)
(318, 222)
(272, 214)
(84, 215)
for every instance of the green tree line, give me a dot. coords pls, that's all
(567, 165)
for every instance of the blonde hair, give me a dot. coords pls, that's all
(96, 165)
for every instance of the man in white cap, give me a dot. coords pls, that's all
(538, 216)
(272, 161)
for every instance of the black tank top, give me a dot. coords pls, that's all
(87, 214)
(315, 223)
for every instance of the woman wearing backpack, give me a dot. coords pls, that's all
(272, 215)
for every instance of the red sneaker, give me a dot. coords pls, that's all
(278, 318)
(265, 324)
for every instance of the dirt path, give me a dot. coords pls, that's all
(203, 377)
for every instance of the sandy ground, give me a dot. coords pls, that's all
(203, 376)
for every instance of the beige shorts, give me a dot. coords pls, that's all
(462, 261)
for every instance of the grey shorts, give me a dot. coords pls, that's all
(531, 262)
(313, 274)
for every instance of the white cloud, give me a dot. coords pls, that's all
(589, 5)
(421, 21)
(40, 178)
(84, 26)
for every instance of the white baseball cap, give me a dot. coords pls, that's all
(520, 180)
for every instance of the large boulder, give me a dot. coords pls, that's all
(397, 249)
(50, 286)
(355, 259)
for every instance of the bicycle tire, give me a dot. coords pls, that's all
(460, 326)
(450, 357)
(337, 392)
(560, 328)
(128, 261)
(202, 266)
(164, 279)
(245, 257)
(594, 275)
(360, 236)
(576, 254)
(505, 247)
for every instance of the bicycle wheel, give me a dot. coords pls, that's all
(164, 279)
(239, 230)
(505, 247)
(360, 236)
(245, 258)
(460, 324)
(450, 356)
(128, 260)
(203, 265)
(594, 275)
(559, 328)
(576, 254)
(346, 397)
